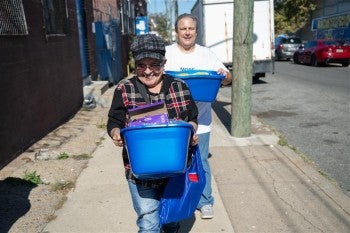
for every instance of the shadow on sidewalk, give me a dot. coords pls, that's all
(186, 225)
(222, 113)
(14, 202)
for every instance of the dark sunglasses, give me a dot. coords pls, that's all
(155, 66)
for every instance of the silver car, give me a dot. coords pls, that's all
(286, 46)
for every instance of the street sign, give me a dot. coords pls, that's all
(141, 23)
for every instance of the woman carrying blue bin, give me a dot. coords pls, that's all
(150, 85)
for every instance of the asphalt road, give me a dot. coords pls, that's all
(310, 107)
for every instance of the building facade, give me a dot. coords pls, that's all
(330, 19)
(48, 51)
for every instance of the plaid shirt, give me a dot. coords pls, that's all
(178, 101)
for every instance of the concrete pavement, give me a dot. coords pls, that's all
(258, 186)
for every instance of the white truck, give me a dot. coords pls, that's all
(216, 32)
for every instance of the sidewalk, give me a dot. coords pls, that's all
(258, 186)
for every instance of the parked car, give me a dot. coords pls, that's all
(321, 52)
(286, 46)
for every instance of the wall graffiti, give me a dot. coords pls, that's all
(332, 27)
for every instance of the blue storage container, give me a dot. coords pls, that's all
(157, 151)
(204, 84)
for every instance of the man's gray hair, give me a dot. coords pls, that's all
(186, 15)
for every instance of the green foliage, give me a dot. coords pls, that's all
(161, 23)
(282, 141)
(63, 155)
(131, 62)
(32, 177)
(82, 156)
(102, 124)
(65, 185)
(290, 15)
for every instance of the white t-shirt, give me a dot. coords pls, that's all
(201, 58)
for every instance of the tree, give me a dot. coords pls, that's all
(161, 23)
(290, 15)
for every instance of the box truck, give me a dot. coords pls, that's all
(215, 31)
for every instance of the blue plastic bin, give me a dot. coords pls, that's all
(157, 151)
(204, 84)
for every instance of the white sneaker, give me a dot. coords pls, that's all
(207, 212)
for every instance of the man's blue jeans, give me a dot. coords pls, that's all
(206, 198)
(146, 204)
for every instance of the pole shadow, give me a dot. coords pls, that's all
(222, 113)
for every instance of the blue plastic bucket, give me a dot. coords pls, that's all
(204, 84)
(157, 151)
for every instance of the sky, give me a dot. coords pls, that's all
(158, 6)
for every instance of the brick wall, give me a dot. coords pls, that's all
(41, 82)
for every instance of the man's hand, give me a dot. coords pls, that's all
(228, 77)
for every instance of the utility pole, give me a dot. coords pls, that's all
(242, 68)
(176, 9)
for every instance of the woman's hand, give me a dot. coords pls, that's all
(117, 139)
(194, 139)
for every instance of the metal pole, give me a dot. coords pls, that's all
(176, 6)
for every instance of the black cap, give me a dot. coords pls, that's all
(148, 46)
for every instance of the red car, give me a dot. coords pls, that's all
(321, 52)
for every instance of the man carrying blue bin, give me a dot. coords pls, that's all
(187, 56)
(149, 86)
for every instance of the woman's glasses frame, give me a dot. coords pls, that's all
(154, 66)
